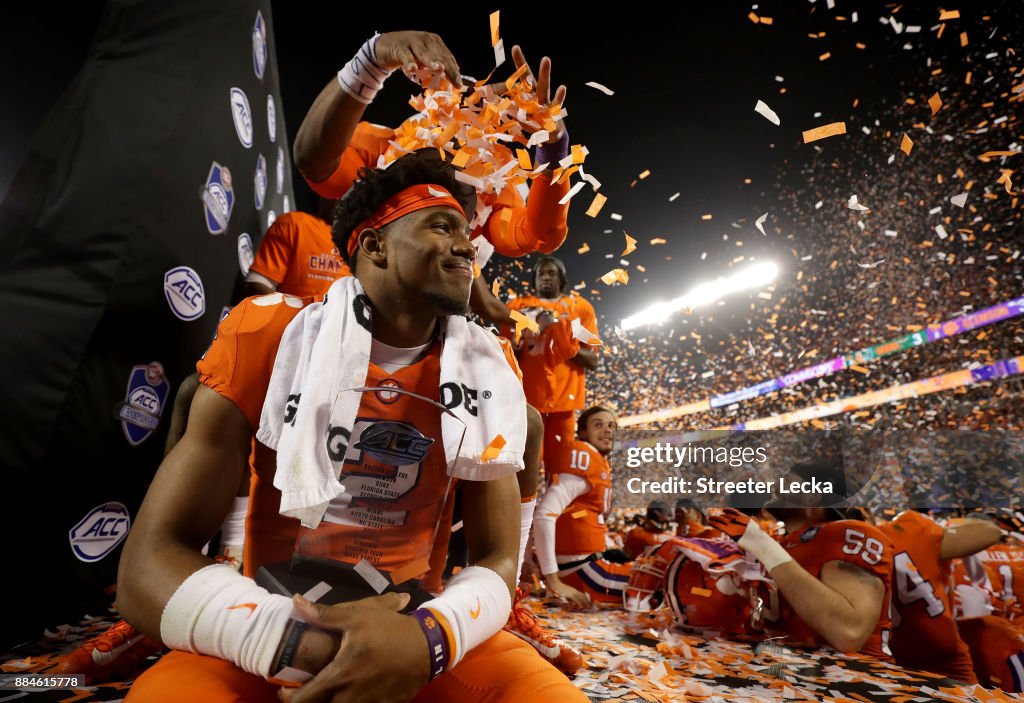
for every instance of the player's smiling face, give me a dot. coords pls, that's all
(600, 431)
(432, 258)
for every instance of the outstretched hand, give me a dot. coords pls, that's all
(413, 51)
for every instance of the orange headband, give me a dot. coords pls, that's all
(399, 205)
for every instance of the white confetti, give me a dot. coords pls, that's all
(941, 231)
(769, 114)
(959, 200)
(598, 86)
(582, 333)
(759, 223)
(378, 582)
(871, 266)
(572, 191)
(674, 197)
(854, 205)
(499, 53)
(616, 216)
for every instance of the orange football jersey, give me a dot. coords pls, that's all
(298, 254)
(394, 469)
(552, 382)
(997, 649)
(843, 540)
(514, 228)
(1004, 563)
(580, 529)
(924, 632)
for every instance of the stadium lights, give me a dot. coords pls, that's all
(754, 276)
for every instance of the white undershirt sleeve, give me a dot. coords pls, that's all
(557, 498)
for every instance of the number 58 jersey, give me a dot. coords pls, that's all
(852, 541)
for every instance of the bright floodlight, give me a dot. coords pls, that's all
(754, 276)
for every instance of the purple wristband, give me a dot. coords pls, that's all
(437, 643)
(553, 153)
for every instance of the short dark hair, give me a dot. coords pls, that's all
(376, 185)
(548, 259)
(831, 472)
(581, 421)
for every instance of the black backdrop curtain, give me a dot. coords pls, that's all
(122, 239)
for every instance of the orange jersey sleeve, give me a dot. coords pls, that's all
(638, 539)
(541, 224)
(241, 358)
(924, 630)
(854, 542)
(369, 142)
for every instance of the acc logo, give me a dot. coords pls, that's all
(99, 532)
(271, 118)
(394, 443)
(143, 402)
(184, 292)
(242, 116)
(218, 198)
(280, 170)
(245, 255)
(387, 396)
(259, 46)
(260, 182)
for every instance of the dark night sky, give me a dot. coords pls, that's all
(686, 81)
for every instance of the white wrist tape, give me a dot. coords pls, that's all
(525, 523)
(760, 545)
(232, 530)
(476, 604)
(219, 612)
(363, 75)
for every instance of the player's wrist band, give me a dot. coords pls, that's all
(218, 612)
(437, 643)
(363, 75)
(474, 607)
(763, 548)
(554, 152)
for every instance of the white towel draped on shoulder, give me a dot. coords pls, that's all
(325, 350)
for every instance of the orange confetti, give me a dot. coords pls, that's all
(644, 174)
(706, 216)
(495, 18)
(828, 130)
(411, 570)
(578, 156)
(520, 72)
(963, 38)
(523, 323)
(994, 154)
(616, 275)
(825, 56)
(657, 240)
(524, 159)
(461, 159)
(702, 592)
(583, 249)
(935, 103)
(860, 369)
(766, 20)
(630, 245)
(861, 45)
(476, 270)
(949, 15)
(492, 451)
(596, 205)
(906, 144)
(753, 18)
(495, 287)
(578, 514)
